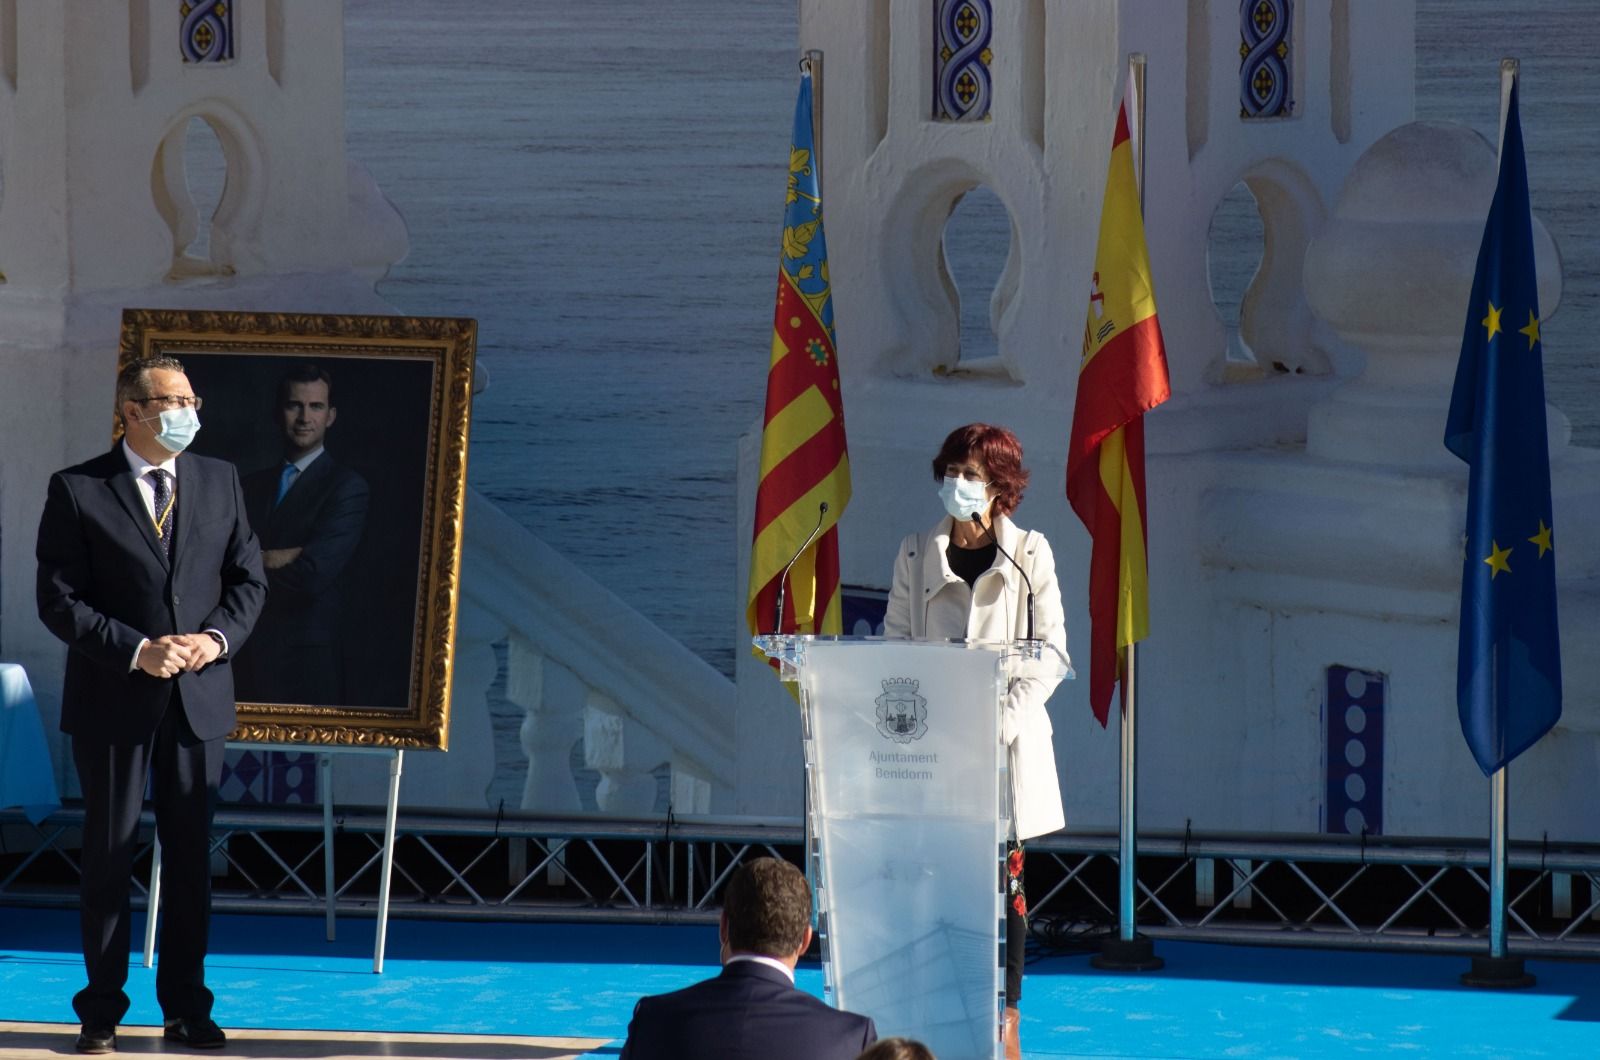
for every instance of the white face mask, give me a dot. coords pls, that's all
(963, 499)
(178, 428)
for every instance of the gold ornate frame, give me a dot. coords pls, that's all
(449, 345)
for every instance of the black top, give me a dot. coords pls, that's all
(968, 563)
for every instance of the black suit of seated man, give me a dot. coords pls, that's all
(310, 511)
(752, 1011)
(150, 574)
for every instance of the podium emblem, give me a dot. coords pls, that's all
(902, 713)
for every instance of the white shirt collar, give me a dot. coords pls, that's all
(142, 467)
(770, 962)
(306, 461)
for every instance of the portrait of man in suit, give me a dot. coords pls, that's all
(752, 1010)
(310, 511)
(150, 574)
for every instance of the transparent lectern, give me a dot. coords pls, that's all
(908, 810)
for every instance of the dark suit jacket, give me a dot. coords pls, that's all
(323, 514)
(749, 1012)
(104, 584)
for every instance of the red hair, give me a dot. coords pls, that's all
(998, 450)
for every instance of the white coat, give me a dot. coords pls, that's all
(931, 602)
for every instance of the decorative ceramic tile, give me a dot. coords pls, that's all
(276, 778)
(205, 34)
(961, 83)
(864, 610)
(243, 777)
(292, 778)
(1354, 782)
(1265, 58)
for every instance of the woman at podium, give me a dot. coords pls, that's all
(978, 576)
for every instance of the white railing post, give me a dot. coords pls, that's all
(552, 698)
(623, 752)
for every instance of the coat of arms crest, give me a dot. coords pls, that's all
(902, 713)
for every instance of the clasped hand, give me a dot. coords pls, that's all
(177, 652)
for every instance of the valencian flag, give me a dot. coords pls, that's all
(1508, 670)
(803, 459)
(1123, 376)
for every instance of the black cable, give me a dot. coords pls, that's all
(1070, 934)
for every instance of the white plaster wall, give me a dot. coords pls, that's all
(1197, 149)
(1267, 565)
(84, 125)
(1313, 563)
(891, 178)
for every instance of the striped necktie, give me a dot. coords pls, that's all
(165, 501)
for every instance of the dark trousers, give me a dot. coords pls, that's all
(1016, 921)
(182, 772)
(1016, 953)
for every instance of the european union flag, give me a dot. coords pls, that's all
(1508, 672)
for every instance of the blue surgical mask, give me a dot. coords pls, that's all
(178, 428)
(963, 499)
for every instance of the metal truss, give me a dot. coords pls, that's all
(1291, 890)
(1321, 891)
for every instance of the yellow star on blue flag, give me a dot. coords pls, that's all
(1508, 670)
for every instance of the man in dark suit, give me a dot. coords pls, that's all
(310, 511)
(752, 1011)
(149, 571)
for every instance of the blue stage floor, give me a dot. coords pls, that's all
(581, 981)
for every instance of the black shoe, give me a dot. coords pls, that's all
(196, 1034)
(97, 1038)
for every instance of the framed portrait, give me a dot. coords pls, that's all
(350, 437)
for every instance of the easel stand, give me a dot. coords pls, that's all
(325, 782)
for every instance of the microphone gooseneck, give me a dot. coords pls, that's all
(977, 519)
(783, 579)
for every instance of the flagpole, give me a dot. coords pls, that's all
(1127, 895)
(1498, 970)
(1130, 951)
(812, 64)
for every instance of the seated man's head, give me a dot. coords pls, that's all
(766, 910)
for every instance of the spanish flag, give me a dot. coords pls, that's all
(804, 464)
(1122, 376)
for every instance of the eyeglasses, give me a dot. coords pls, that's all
(171, 401)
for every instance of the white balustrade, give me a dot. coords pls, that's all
(585, 666)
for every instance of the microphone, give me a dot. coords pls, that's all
(783, 579)
(977, 518)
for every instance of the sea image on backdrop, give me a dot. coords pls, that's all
(600, 185)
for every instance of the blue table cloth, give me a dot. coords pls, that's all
(27, 778)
